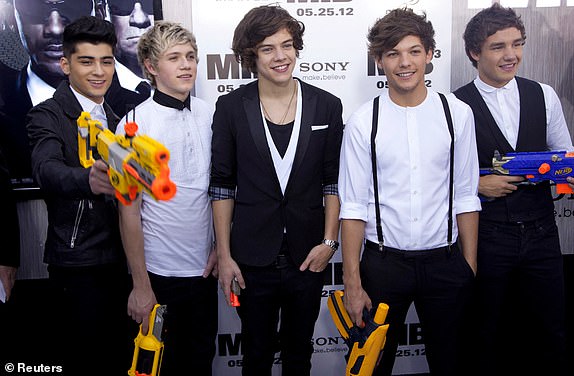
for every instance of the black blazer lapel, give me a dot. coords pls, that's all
(253, 113)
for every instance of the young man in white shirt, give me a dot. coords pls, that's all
(519, 257)
(169, 244)
(418, 254)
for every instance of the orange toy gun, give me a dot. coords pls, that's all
(148, 350)
(134, 162)
(365, 343)
(535, 167)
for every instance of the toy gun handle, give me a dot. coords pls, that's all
(148, 351)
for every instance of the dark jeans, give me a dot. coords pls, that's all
(520, 298)
(437, 281)
(272, 293)
(190, 322)
(94, 333)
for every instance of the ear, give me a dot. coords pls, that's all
(475, 56)
(149, 67)
(65, 65)
(429, 56)
(379, 61)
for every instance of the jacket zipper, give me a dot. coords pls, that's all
(77, 223)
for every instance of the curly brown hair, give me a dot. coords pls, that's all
(259, 23)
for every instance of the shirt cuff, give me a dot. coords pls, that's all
(331, 189)
(467, 205)
(221, 193)
(351, 210)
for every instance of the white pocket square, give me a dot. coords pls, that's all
(319, 127)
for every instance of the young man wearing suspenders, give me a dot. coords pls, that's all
(417, 147)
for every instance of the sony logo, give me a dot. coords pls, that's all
(323, 67)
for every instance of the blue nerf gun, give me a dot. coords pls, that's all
(555, 166)
(365, 343)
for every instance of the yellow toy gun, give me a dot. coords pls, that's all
(365, 343)
(148, 350)
(134, 162)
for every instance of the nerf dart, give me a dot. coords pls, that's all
(148, 350)
(365, 343)
(235, 292)
(535, 167)
(135, 163)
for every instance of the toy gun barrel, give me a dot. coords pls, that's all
(160, 186)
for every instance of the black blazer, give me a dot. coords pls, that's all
(241, 160)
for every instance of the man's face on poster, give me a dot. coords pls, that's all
(131, 19)
(42, 23)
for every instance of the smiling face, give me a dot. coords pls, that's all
(43, 23)
(500, 57)
(276, 56)
(175, 71)
(90, 69)
(404, 66)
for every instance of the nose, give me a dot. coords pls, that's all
(509, 52)
(185, 63)
(54, 25)
(404, 60)
(98, 68)
(139, 18)
(279, 54)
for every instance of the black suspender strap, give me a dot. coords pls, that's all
(374, 167)
(374, 164)
(451, 179)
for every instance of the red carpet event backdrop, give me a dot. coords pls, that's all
(334, 58)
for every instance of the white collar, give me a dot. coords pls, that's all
(87, 104)
(483, 86)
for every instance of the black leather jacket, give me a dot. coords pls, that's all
(83, 228)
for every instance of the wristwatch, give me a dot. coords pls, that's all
(333, 244)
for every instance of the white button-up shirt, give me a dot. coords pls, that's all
(413, 161)
(504, 105)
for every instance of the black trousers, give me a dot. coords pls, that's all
(520, 298)
(190, 322)
(92, 330)
(273, 294)
(437, 281)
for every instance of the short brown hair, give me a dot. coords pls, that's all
(399, 23)
(486, 23)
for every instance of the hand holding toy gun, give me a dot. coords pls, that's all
(234, 293)
(148, 350)
(365, 343)
(535, 167)
(134, 162)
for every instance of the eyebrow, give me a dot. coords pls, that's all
(94, 57)
(271, 45)
(500, 44)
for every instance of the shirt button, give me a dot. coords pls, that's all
(415, 219)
